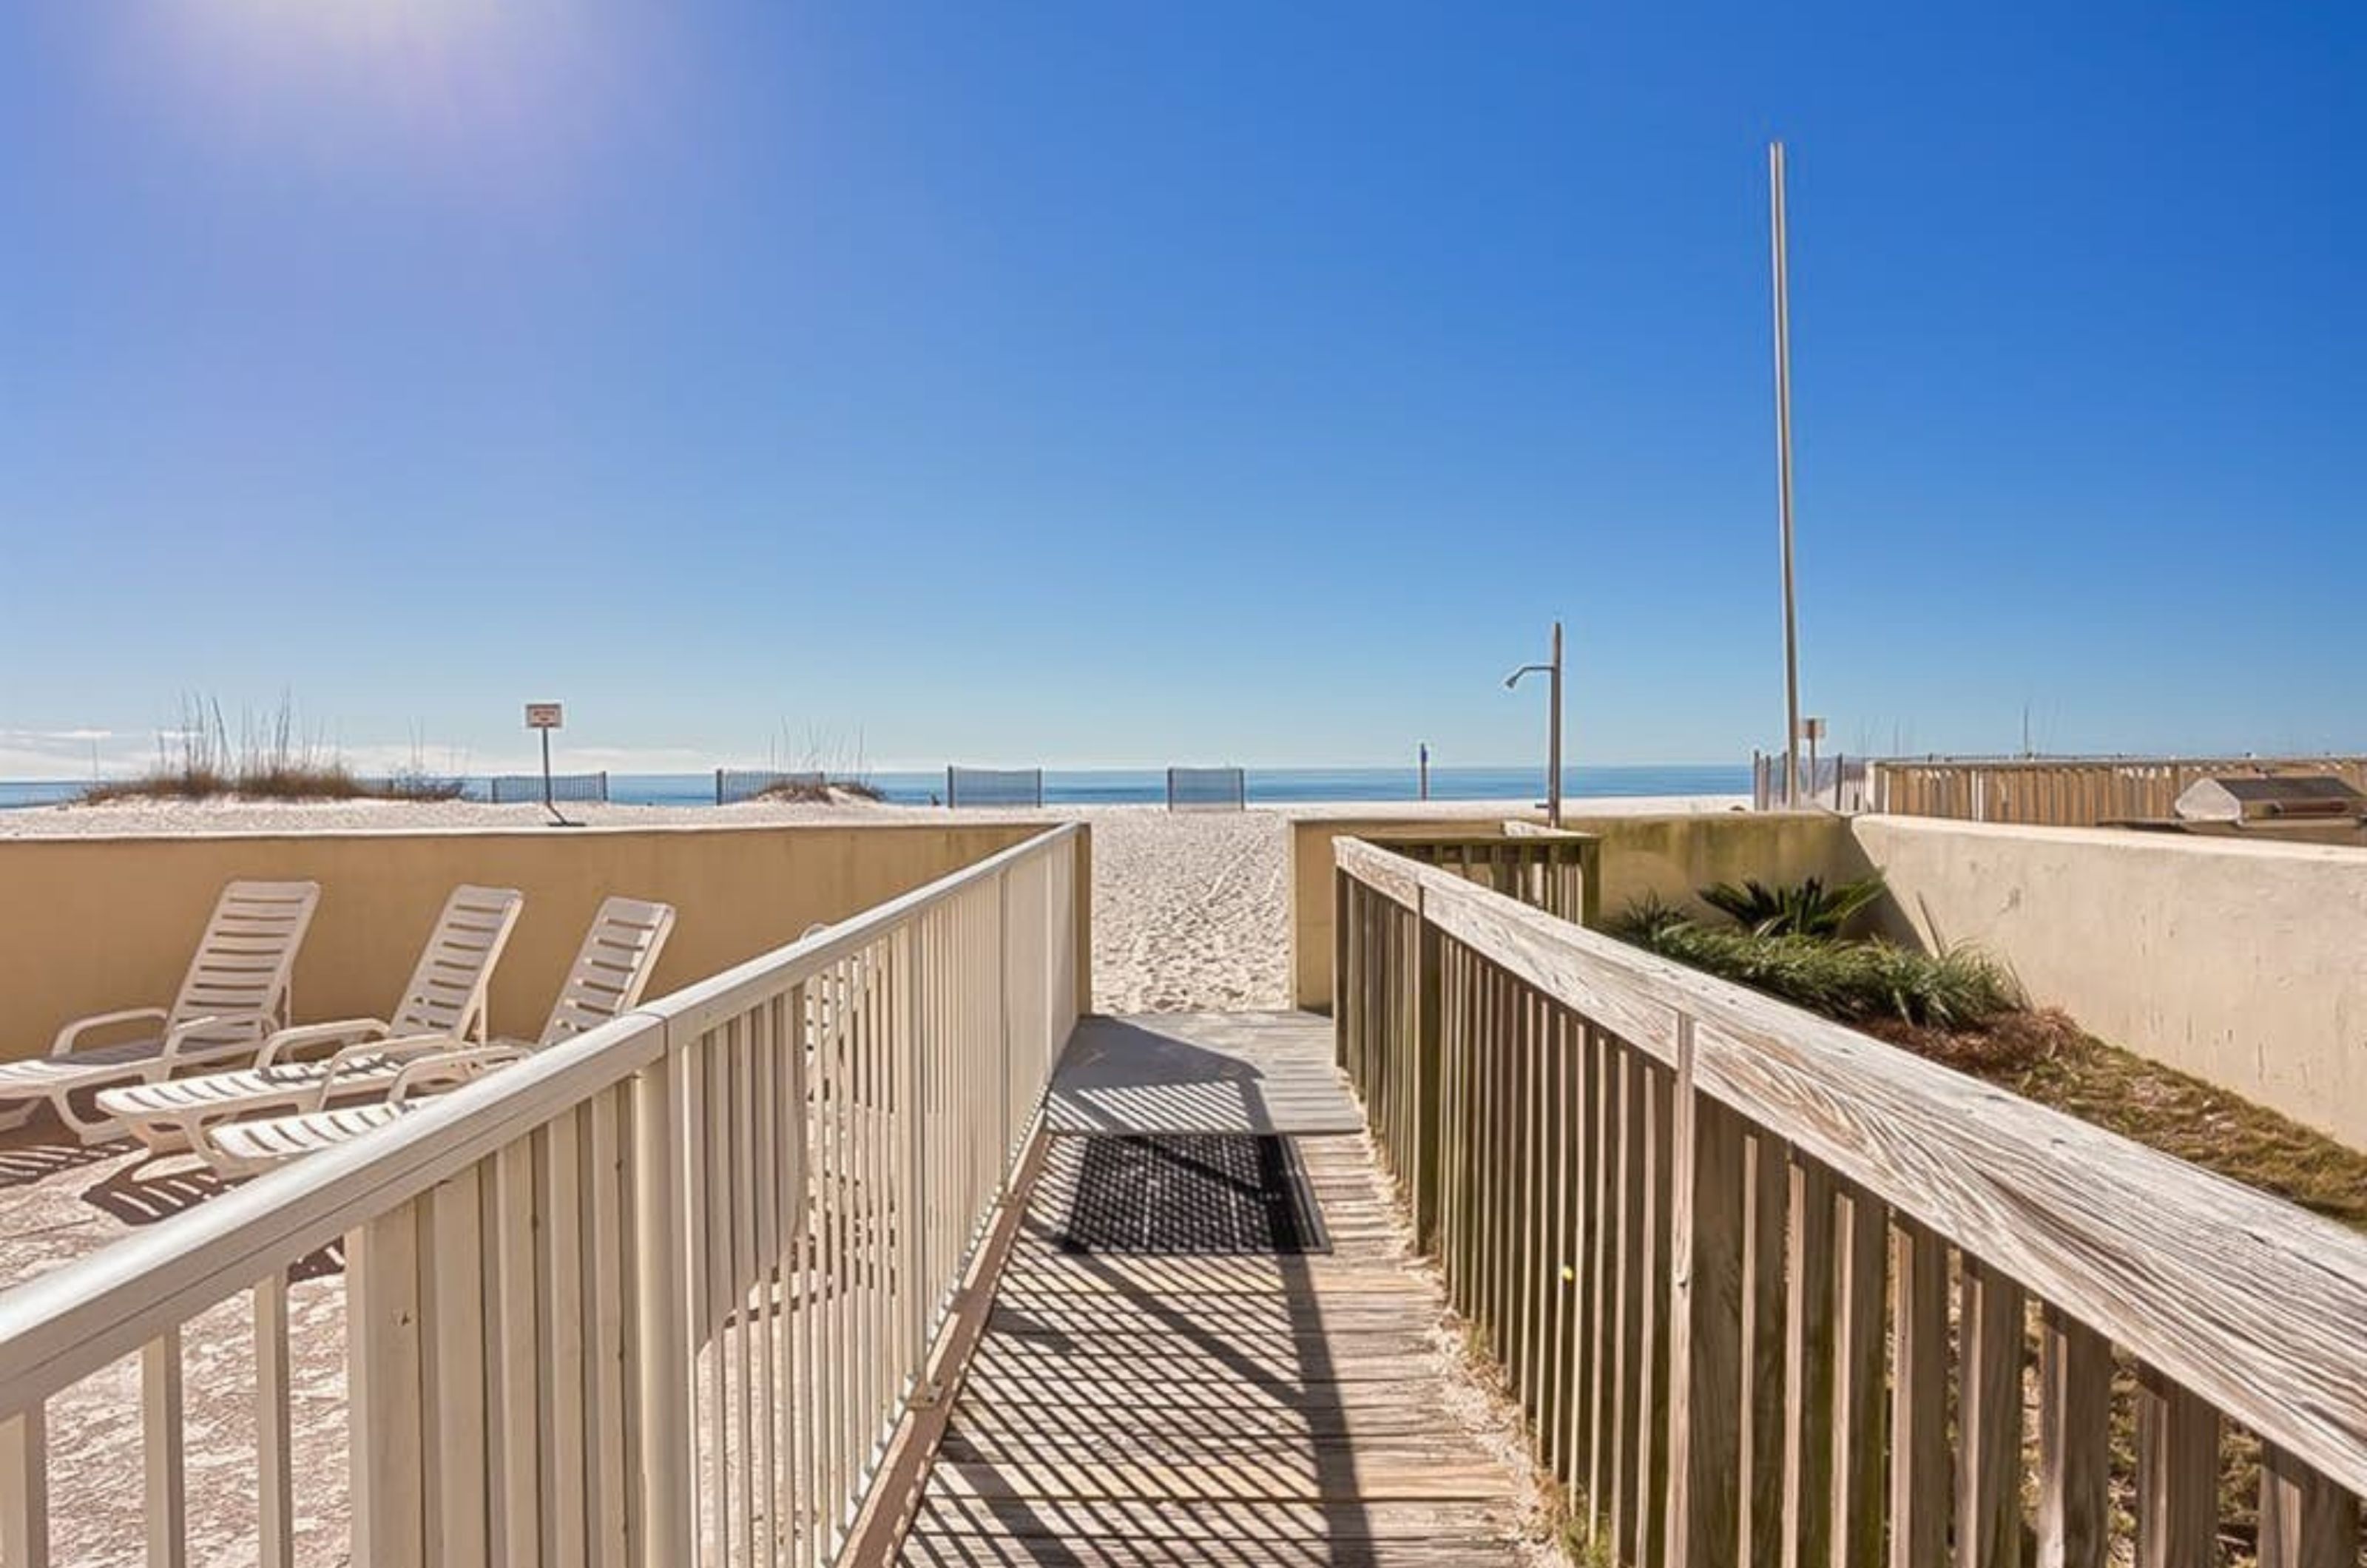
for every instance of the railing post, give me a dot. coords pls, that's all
(1429, 1077)
(1702, 1527)
(659, 1344)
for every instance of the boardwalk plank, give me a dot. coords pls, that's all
(1137, 1409)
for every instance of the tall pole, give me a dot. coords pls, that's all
(1553, 742)
(1784, 471)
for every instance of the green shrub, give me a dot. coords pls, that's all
(1851, 981)
(1802, 908)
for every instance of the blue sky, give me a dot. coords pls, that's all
(1104, 383)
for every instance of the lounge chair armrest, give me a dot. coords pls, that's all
(256, 1024)
(70, 1038)
(287, 1043)
(408, 1048)
(457, 1066)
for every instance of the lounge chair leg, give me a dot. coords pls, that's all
(162, 1138)
(11, 1120)
(91, 1129)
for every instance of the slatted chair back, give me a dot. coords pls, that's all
(446, 993)
(613, 967)
(246, 958)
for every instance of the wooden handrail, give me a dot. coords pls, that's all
(2243, 1304)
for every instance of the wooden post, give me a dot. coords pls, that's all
(1553, 748)
(1706, 1392)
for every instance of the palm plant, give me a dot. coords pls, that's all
(1802, 909)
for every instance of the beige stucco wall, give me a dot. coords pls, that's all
(91, 925)
(2240, 961)
(1668, 854)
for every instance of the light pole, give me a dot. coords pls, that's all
(1553, 724)
(1779, 245)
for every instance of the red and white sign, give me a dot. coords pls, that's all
(542, 715)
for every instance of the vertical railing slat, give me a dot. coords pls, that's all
(559, 1268)
(383, 1388)
(25, 1489)
(1766, 1349)
(512, 1355)
(161, 1440)
(604, 1248)
(2075, 1393)
(1861, 1251)
(1808, 1531)
(452, 1345)
(1918, 1396)
(1707, 1399)
(275, 1480)
(2306, 1521)
(1989, 1420)
(2178, 1475)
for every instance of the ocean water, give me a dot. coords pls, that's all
(1148, 786)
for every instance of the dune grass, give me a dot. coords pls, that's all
(274, 758)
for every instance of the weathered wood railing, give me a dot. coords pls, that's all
(656, 1296)
(2069, 792)
(1765, 1286)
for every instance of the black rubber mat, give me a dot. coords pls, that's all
(1198, 1194)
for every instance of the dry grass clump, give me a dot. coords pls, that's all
(274, 759)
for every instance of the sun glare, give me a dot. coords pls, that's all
(465, 89)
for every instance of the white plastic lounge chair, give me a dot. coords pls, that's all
(233, 996)
(610, 973)
(442, 1006)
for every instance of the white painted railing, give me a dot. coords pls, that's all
(658, 1295)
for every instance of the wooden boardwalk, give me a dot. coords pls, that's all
(1266, 1410)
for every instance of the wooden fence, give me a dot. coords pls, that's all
(1558, 872)
(513, 789)
(658, 1295)
(1765, 1289)
(2071, 792)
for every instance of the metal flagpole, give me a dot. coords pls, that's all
(1784, 472)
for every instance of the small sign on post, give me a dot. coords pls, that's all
(544, 717)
